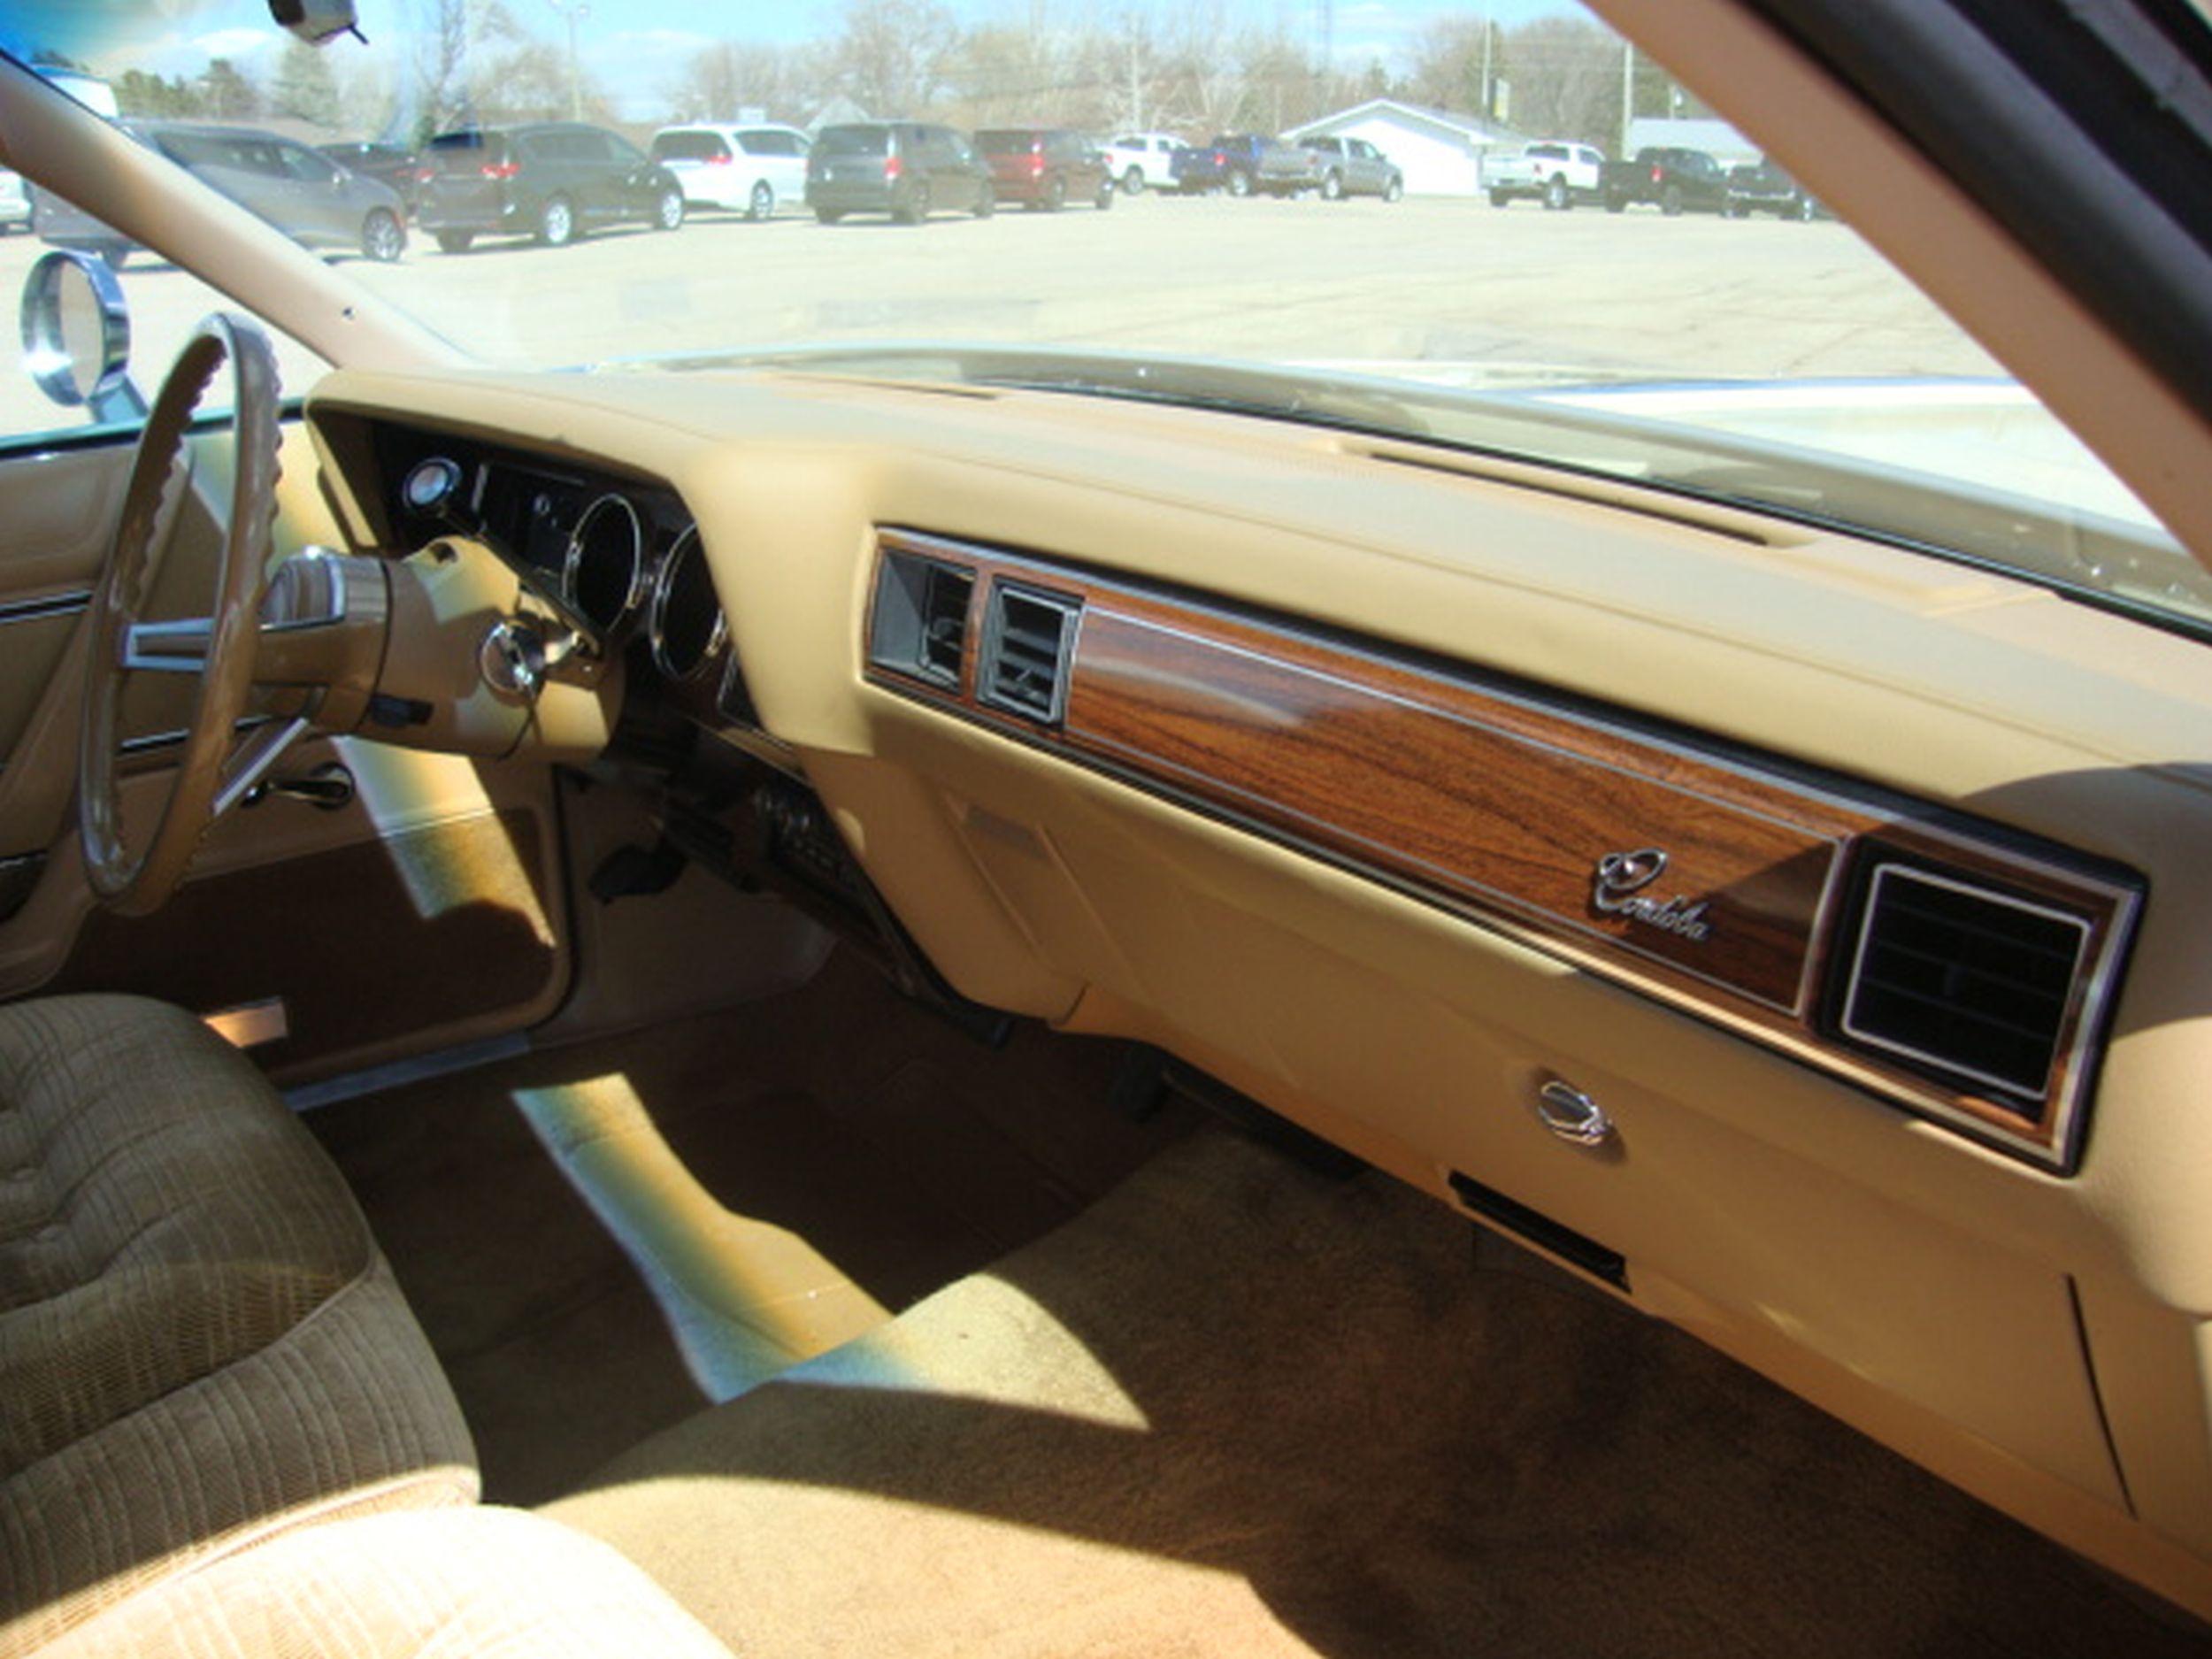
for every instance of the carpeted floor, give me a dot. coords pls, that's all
(1234, 1410)
(838, 1118)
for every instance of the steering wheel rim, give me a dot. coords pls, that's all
(137, 883)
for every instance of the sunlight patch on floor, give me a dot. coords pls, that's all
(1048, 1368)
(745, 1299)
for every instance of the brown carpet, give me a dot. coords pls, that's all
(898, 1149)
(1235, 1409)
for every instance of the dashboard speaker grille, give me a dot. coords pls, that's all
(1028, 639)
(1973, 982)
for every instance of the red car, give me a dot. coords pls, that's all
(1046, 167)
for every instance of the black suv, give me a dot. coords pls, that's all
(906, 169)
(553, 180)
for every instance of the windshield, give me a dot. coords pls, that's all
(1477, 269)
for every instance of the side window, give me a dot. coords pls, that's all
(614, 147)
(308, 167)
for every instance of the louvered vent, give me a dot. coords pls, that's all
(1971, 982)
(1027, 641)
(920, 625)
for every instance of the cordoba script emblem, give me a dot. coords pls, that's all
(1622, 889)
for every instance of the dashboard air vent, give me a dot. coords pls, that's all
(1027, 640)
(1972, 982)
(920, 624)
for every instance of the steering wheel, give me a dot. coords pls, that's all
(219, 649)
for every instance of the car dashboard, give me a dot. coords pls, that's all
(1788, 933)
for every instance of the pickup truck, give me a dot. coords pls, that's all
(1245, 163)
(1557, 173)
(1352, 166)
(1672, 181)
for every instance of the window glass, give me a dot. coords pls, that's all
(690, 147)
(854, 140)
(1775, 359)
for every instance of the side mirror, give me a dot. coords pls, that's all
(77, 331)
(318, 22)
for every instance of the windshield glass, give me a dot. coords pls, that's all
(1477, 269)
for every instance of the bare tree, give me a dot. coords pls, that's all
(893, 56)
(446, 67)
(1566, 75)
(305, 87)
(1448, 67)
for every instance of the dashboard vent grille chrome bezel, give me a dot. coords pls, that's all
(920, 622)
(1981, 985)
(1028, 642)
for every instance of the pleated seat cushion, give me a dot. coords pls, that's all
(199, 1342)
(458, 1584)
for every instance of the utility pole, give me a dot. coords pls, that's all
(1628, 93)
(1489, 88)
(575, 12)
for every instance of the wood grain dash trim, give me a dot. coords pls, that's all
(1498, 804)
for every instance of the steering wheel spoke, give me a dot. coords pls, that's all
(251, 761)
(167, 647)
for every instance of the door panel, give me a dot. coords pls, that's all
(425, 913)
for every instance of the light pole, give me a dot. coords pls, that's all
(575, 12)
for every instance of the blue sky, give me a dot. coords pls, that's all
(646, 42)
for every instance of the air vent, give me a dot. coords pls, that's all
(1027, 641)
(1971, 982)
(920, 623)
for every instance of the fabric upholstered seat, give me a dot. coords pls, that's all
(487, 1583)
(199, 1342)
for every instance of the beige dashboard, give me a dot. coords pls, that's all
(2024, 1312)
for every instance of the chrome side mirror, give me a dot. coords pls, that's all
(77, 332)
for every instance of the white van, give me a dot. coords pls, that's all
(752, 168)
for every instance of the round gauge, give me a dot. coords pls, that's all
(687, 624)
(605, 567)
(431, 486)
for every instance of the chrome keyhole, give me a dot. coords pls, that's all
(1572, 1115)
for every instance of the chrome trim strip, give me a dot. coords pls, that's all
(657, 616)
(572, 561)
(49, 605)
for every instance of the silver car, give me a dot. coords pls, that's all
(307, 195)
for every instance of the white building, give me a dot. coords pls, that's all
(1438, 152)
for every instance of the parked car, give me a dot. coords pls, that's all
(1247, 164)
(1761, 187)
(754, 168)
(1141, 159)
(1555, 172)
(1046, 167)
(550, 180)
(1352, 166)
(305, 194)
(15, 201)
(1672, 181)
(391, 165)
(907, 169)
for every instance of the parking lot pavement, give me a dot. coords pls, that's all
(1476, 293)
